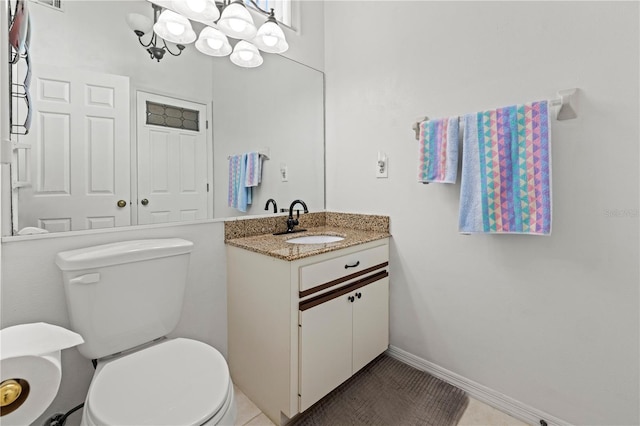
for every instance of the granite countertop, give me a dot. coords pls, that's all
(276, 245)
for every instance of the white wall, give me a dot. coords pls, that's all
(552, 322)
(95, 35)
(297, 99)
(281, 109)
(306, 39)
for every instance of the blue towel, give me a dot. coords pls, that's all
(438, 150)
(244, 192)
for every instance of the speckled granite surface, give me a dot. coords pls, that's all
(363, 222)
(257, 234)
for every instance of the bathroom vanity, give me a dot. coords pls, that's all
(303, 318)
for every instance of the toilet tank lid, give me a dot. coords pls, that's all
(121, 252)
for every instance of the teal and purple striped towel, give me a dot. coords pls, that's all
(438, 150)
(254, 169)
(506, 171)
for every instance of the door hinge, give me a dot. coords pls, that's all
(207, 187)
(206, 123)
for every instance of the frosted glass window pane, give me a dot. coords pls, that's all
(172, 116)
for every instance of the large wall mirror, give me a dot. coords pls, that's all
(119, 139)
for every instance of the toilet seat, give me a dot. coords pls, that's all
(177, 382)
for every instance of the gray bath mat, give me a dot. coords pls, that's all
(388, 392)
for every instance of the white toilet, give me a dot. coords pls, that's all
(123, 298)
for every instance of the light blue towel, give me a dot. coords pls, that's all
(244, 192)
(470, 199)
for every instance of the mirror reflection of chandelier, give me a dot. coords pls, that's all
(171, 22)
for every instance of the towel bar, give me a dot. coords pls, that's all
(416, 126)
(264, 154)
(566, 103)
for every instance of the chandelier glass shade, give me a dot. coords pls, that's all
(246, 55)
(201, 10)
(236, 22)
(213, 42)
(222, 20)
(139, 22)
(270, 37)
(174, 27)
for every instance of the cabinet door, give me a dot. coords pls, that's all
(325, 348)
(370, 322)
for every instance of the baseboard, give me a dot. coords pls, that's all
(480, 392)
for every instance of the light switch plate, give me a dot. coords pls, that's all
(284, 173)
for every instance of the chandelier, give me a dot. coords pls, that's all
(171, 22)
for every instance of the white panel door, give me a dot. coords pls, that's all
(370, 322)
(172, 166)
(325, 349)
(80, 145)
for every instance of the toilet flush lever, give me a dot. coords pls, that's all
(86, 279)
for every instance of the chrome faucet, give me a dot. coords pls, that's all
(275, 206)
(291, 222)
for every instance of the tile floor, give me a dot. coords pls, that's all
(476, 414)
(481, 414)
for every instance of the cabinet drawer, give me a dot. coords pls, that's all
(349, 265)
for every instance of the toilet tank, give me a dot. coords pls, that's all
(124, 294)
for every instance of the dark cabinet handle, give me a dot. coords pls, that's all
(352, 266)
(358, 295)
(351, 299)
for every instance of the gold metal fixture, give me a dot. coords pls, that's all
(10, 390)
(122, 203)
(13, 393)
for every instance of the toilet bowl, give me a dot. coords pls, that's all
(124, 298)
(175, 382)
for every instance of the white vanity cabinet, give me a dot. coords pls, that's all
(340, 336)
(298, 329)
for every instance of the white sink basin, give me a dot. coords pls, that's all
(315, 239)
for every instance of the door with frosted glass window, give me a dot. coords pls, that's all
(173, 160)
